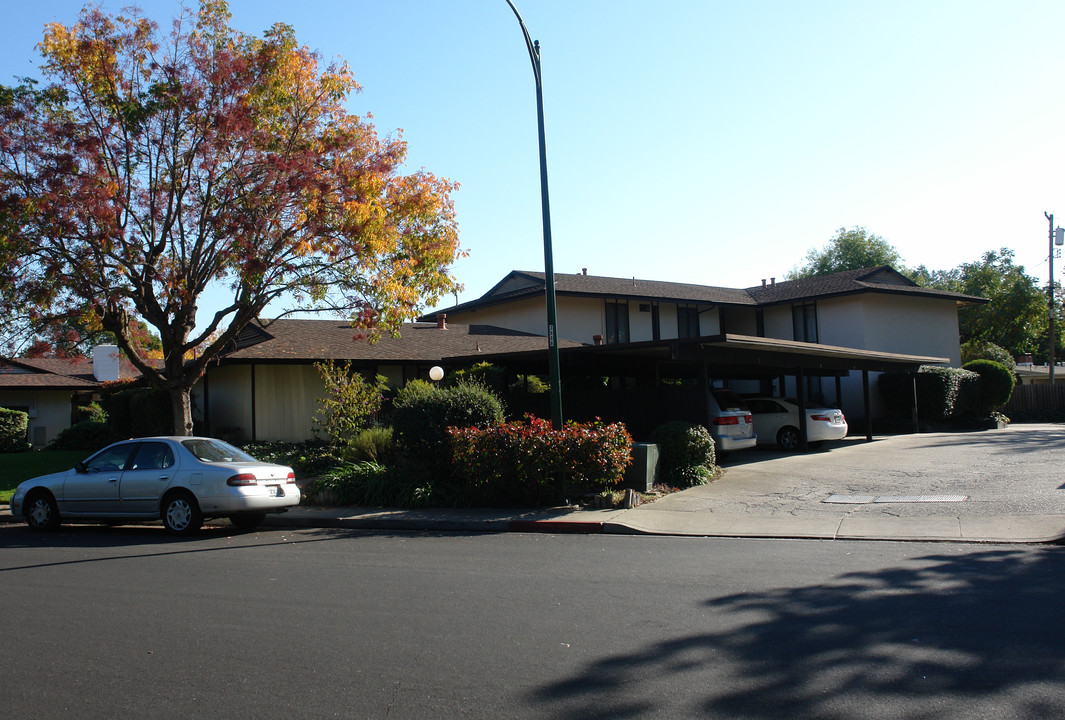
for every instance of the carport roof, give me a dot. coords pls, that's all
(733, 355)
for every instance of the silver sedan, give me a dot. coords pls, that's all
(180, 480)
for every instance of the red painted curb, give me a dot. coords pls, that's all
(556, 526)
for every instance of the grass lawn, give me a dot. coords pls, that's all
(25, 465)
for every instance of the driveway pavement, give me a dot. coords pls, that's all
(990, 486)
(995, 485)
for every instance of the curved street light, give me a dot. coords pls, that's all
(549, 266)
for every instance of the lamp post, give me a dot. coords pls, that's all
(549, 265)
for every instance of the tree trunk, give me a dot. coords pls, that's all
(181, 399)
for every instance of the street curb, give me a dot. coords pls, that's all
(557, 526)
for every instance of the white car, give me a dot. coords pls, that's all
(180, 480)
(730, 424)
(777, 419)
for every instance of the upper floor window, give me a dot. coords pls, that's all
(617, 322)
(687, 321)
(804, 321)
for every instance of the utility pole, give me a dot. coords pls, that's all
(1057, 237)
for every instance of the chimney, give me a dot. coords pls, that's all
(763, 283)
(597, 339)
(772, 282)
(441, 321)
(105, 363)
(584, 271)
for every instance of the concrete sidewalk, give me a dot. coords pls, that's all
(999, 486)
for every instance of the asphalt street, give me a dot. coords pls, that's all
(324, 623)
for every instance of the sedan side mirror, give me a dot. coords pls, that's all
(79, 467)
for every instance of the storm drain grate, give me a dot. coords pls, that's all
(920, 498)
(864, 499)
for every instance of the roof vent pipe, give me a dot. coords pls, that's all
(441, 321)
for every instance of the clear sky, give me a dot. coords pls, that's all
(711, 141)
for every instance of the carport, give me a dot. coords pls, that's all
(720, 357)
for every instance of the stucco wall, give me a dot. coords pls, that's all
(49, 412)
(579, 319)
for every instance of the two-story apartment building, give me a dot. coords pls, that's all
(871, 311)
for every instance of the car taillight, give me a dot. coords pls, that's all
(727, 420)
(291, 479)
(748, 419)
(242, 479)
(822, 418)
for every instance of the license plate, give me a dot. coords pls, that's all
(275, 490)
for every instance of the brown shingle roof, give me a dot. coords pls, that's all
(293, 339)
(882, 279)
(519, 283)
(47, 374)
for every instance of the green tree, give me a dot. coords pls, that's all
(1015, 316)
(155, 165)
(852, 249)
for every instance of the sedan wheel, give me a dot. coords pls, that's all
(181, 514)
(41, 512)
(788, 438)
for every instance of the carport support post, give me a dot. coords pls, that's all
(916, 423)
(800, 382)
(868, 410)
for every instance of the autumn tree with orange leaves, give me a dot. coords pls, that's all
(150, 166)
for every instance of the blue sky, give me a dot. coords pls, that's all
(703, 142)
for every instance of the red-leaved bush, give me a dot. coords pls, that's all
(521, 461)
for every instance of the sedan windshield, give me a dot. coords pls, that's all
(209, 450)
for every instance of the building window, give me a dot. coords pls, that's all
(804, 322)
(617, 322)
(687, 321)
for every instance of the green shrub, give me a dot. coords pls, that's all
(368, 484)
(372, 444)
(686, 453)
(138, 411)
(423, 412)
(14, 426)
(151, 412)
(88, 436)
(350, 403)
(92, 412)
(983, 350)
(526, 462)
(993, 389)
(940, 397)
(306, 459)
(115, 400)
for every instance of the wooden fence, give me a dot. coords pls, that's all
(1035, 398)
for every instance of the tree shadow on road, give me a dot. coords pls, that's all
(971, 635)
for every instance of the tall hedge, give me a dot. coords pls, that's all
(994, 387)
(940, 392)
(14, 426)
(139, 412)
